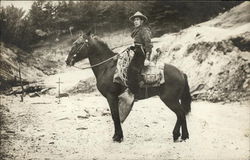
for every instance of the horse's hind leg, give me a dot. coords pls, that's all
(113, 104)
(185, 134)
(176, 107)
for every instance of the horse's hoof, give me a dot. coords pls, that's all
(184, 137)
(117, 138)
(175, 137)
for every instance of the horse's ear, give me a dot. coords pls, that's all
(90, 31)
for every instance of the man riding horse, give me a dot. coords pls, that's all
(142, 48)
(174, 92)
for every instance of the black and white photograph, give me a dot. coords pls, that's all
(125, 80)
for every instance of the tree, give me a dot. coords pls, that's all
(14, 26)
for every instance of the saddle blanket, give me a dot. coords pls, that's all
(153, 74)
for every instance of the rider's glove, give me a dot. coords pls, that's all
(131, 48)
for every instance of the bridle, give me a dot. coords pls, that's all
(98, 64)
(78, 49)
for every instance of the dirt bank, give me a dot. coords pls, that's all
(214, 54)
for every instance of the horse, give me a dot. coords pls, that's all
(174, 92)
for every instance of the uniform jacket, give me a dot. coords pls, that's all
(142, 35)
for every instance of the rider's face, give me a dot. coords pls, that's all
(137, 21)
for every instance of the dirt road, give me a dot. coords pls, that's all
(81, 128)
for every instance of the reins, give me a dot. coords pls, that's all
(100, 63)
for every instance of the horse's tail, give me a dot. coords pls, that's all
(186, 97)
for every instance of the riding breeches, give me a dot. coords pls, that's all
(135, 68)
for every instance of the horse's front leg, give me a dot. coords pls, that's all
(113, 104)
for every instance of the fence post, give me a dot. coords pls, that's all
(21, 82)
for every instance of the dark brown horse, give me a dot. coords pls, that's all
(174, 92)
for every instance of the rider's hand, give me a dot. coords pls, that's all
(146, 62)
(131, 47)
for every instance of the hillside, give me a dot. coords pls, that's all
(215, 55)
(11, 59)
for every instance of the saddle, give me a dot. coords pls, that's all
(153, 74)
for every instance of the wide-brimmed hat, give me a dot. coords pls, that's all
(138, 14)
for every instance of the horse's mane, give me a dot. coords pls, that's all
(102, 44)
(105, 49)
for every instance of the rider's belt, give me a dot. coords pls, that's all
(138, 44)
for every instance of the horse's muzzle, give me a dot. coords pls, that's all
(70, 63)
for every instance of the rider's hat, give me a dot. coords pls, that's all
(138, 14)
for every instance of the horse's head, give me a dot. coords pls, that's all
(79, 50)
